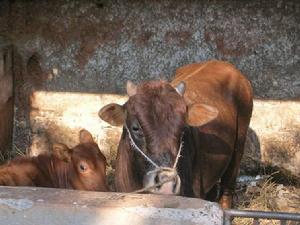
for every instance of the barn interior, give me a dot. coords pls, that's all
(61, 61)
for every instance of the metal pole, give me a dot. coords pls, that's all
(262, 215)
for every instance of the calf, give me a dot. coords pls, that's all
(202, 115)
(82, 167)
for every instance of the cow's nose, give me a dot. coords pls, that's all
(164, 181)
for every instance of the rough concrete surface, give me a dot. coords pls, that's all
(29, 206)
(95, 46)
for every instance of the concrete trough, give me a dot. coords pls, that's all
(47, 206)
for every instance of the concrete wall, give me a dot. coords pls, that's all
(95, 46)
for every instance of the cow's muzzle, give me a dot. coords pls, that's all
(162, 181)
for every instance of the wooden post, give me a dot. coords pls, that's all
(6, 99)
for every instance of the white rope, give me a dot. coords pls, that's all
(179, 151)
(158, 168)
(132, 143)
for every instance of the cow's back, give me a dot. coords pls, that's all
(18, 172)
(221, 85)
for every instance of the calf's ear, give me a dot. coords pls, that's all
(201, 114)
(62, 152)
(85, 137)
(113, 114)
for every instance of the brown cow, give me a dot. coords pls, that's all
(82, 167)
(204, 113)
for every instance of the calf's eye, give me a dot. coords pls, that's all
(83, 167)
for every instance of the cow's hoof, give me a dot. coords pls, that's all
(226, 201)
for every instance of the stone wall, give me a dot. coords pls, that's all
(95, 46)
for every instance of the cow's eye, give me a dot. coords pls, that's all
(136, 129)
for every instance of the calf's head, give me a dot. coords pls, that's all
(86, 163)
(154, 118)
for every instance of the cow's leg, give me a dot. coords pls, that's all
(213, 194)
(228, 180)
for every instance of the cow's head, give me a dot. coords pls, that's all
(87, 165)
(154, 117)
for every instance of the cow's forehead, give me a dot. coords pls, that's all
(157, 107)
(86, 151)
(155, 91)
(153, 85)
(155, 101)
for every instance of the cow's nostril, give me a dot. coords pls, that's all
(157, 181)
(175, 185)
(166, 181)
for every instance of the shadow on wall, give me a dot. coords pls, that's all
(277, 155)
(250, 163)
(281, 156)
(28, 77)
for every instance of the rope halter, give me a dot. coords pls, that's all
(158, 168)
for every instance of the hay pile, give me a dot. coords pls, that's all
(267, 195)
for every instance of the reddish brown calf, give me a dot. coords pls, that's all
(82, 167)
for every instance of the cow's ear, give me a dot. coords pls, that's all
(62, 152)
(201, 114)
(85, 136)
(113, 114)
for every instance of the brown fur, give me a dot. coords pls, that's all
(220, 144)
(59, 170)
(214, 114)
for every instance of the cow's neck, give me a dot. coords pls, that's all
(53, 172)
(127, 179)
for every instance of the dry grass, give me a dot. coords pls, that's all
(8, 154)
(110, 169)
(261, 198)
(5, 155)
(2, 157)
(18, 152)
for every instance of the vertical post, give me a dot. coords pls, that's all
(227, 219)
(255, 221)
(6, 100)
(282, 222)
